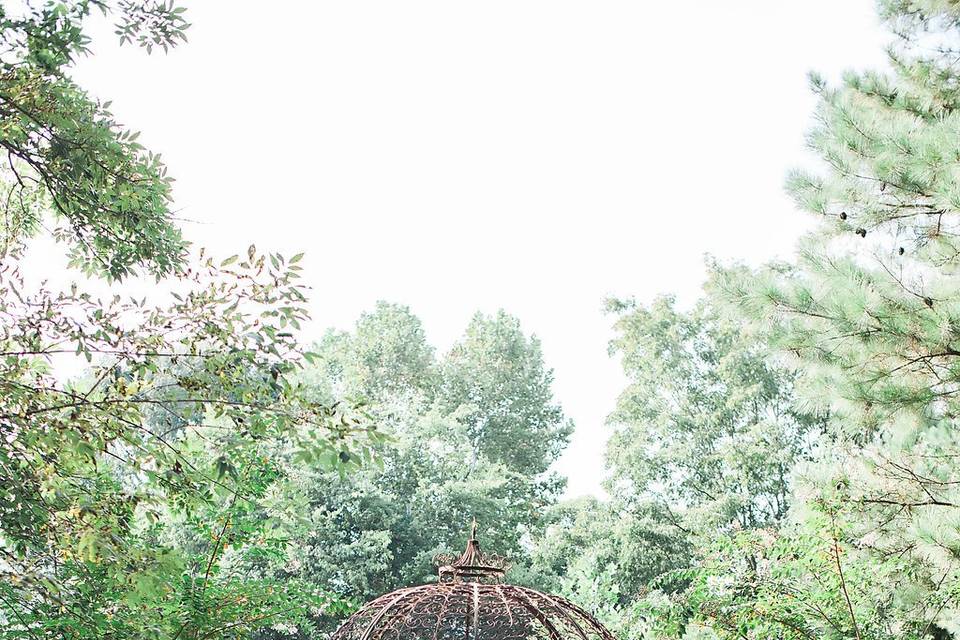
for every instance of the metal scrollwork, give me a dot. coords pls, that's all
(470, 601)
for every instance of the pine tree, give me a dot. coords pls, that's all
(870, 314)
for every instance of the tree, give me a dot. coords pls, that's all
(387, 355)
(135, 496)
(869, 316)
(392, 352)
(66, 153)
(602, 554)
(499, 371)
(704, 439)
(708, 428)
(380, 528)
(188, 418)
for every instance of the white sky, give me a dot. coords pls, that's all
(531, 155)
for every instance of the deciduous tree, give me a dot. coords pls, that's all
(136, 493)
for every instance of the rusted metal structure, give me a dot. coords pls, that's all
(470, 601)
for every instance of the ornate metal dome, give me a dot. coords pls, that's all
(471, 602)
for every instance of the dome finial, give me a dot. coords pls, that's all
(473, 565)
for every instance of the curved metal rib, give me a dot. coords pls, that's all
(558, 609)
(536, 613)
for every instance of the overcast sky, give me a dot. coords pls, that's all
(537, 156)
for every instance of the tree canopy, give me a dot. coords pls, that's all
(867, 317)
(446, 459)
(135, 494)
(66, 153)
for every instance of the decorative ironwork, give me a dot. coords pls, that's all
(471, 602)
(471, 565)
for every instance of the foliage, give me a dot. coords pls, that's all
(380, 528)
(501, 373)
(808, 581)
(707, 428)
(868, 315)
(170, 428)
(65, 152)
(704, 438)
(601, 555)
(138, 496)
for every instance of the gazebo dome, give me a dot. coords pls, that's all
(470, 601)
